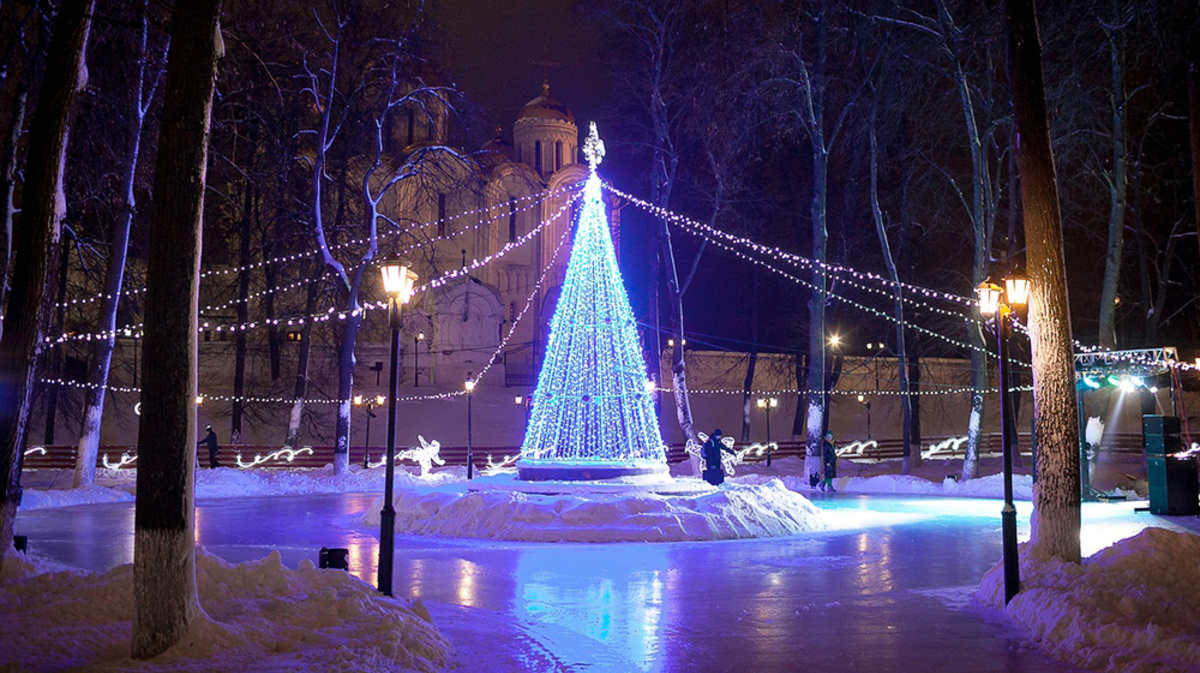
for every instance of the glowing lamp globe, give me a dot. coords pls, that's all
(398, 281)
(989, 299)
(1016, 291)
(380, 399)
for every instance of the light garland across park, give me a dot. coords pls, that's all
(824, 267)
(410, 398)
(535, 199)
(331, 312)
(957, 390)
(863, 307)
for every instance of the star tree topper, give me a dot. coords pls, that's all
(593, 148)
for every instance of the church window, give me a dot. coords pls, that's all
(558, 155)
(512, 219)
(537, 156)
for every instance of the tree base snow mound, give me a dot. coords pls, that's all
(730, 512)
(1133, 607)
(256, 616)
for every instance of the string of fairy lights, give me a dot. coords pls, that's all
(532, 199)
(331, 312)
(495, 357)
(852, 277)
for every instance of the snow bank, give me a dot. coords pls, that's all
(731, 511)
(90, 495)
(791, 472)
(260, 617)
(229, 482)
(1132, 607)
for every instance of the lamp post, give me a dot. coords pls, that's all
(1000, 304)
(469, 386)
(416, 359)
(398, 281)
(371, 405)
(526, 402)
(767, 404)
(862, 399)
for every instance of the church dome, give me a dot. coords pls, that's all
(546, 106)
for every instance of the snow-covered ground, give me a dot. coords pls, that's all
(257, 616)
(1132, 607)
(583, 515)
(50, 488)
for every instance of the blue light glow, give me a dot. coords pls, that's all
(591, 405)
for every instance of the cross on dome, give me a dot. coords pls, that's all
(593, 148)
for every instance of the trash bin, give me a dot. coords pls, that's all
(334, 558)
(1174, 482)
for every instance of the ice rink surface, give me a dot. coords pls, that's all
(889, 588)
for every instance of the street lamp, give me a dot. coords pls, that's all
(767, 404)
(526, 402)
(469, 386)
(398, 282)
(1001, 304)
(835, 340)
(416, 359)
(371, 405)
(862, 399)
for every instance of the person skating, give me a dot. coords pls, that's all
(829, 453)
(714, 472)
(211, 440)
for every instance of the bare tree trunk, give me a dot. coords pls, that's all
(114, 276)
(37, 241)
(346, 362)
(748, 383)
(1117, 184)
(164, 560)
(55, 368)
(815, 418)
(8, 189)
(243, 306)
(1193, 93)
(908, 459)
(1056, 497)
(300, 392)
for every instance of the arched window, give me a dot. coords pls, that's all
(537, 156)
(558, 155)
(512, 219)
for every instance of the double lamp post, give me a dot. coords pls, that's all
(1002, 304)
(398, 282)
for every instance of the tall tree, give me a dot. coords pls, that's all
(114, 276)
(37, 244)
(1116, 176)
(1056, 496)
(164, 561)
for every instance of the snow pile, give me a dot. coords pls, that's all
(260, 617)
(791, 472)
(43, 498)
(731, 511)
(1132, 607)
(229, 482)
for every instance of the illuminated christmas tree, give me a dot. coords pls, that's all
(593, 416)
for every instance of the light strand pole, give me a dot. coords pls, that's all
(1016, 295)
(768, 404)
(469, 386)
(398, 281)
(417, 359)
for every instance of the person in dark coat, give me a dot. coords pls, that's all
(829, 453)
(714, 472)
(211, 440)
